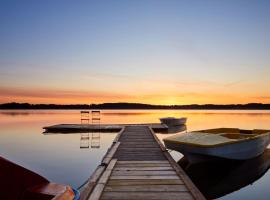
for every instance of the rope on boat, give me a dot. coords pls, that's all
(82, 184)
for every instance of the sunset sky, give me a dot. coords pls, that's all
(158, 52)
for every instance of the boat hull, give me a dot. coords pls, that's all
(17, 182)
(169, 121)
(241, 150)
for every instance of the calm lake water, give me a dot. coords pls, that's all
(59, 157)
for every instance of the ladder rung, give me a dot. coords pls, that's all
(95, 111)
(85, 112)
(84, 147)
(85, 138)
(96, 118)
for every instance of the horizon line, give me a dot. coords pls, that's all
(250, 103)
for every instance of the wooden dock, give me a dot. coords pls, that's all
(137, 166)
(81, 128)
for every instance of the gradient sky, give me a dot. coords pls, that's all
(158, 52)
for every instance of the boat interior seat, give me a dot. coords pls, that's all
(237, 135)
(220, 130)
(245, 131)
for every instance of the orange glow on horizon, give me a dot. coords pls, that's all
(82, 97)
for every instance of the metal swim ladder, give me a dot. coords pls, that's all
(95, 139)
(84, 141)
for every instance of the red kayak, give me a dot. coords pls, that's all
(19, 183)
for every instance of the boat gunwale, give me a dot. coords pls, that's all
(257, 136)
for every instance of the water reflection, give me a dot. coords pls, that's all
(59, 157)
(177, 129)
(218, 177)
(84, 141)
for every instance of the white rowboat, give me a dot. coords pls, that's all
(227, 143)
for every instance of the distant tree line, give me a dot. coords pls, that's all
(250, 106)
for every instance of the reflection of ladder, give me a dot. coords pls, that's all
(84, 142)
(95, 139)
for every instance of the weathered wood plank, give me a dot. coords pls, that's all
(96, 194)
(116, 139)
(139, 145)
(140, 152)
(142, 168)
(90, 184)
(142, 136)
(146, 195)
(142, 173)
(105, 176)
(144, 165)
(141, 158)
(142, 162)
(123, 148)
(136, 143)
(144, 140)
(145, 177)
(110, 154)
(145, 182)
(146, 188)
(138, 148)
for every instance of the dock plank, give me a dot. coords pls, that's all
(141, 162)
(142, 173)
(144, 165)
(144, 177)
(145, 188)
(143, 169)
(146, 195)
(146, 182)
(79, 128)
(97, 192)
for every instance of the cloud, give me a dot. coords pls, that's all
(262, 97)
(234, 83)
(58, 94)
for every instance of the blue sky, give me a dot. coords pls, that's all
(144, 51)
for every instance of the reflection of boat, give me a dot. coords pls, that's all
(17, 182)
(172, 121)
(177, 129)
(223, 142)
(217, 178)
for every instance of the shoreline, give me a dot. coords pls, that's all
(133, 106)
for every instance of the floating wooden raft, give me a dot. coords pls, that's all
(79, 128)
(137, 166)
